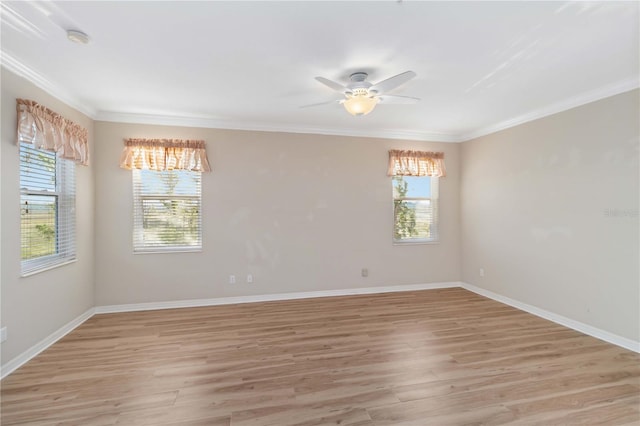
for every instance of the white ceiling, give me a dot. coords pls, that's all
(481, 66)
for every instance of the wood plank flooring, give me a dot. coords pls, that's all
(437, 357)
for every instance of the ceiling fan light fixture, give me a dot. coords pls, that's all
(360, 104)
(361, 97)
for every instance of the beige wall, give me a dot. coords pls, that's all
(307, 212)
(298, 212)
(534, 201)
(34, 307)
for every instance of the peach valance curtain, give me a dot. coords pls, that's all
(416, 163)
(47, 130)
(165, 154)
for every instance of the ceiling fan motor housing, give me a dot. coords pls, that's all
(358, 76)
(358, 86)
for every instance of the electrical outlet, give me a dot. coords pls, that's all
(482, 272)
(232, 279)
(249, 278)
(3, 334)
(365, 272)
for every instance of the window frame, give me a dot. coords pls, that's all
(65, 220)
(433, 226)
(139, 246)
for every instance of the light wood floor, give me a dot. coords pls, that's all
(439, 357)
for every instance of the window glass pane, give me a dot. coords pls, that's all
(415, 209)
(174, 182)
(38, 226)
(171, 222)
(37, 169)
(413, 219)
(166, 210)
(47, 209)
(411, 186)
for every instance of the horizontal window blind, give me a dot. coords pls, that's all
(47, 209)
(416, 223)
(415, 201)
(167, 211)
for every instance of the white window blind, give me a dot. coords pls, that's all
(415, 209)
(47, 209)
(167, 211)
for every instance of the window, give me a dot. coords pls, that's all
(415, 194)
(415, 208)
(166, 211)
(47, 209)
(166, 193)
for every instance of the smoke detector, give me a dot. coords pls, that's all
(77, 37)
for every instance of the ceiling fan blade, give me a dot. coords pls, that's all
(332, 84)
(337, 101)
(392, 82)
(392, 99)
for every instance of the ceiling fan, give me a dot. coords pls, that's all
(361, 96)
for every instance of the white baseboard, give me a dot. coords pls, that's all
(21, 359)
(623, 342)
(27, 355)
(192, 303)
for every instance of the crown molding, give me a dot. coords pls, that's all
(212, 123)
(12, 64)
(582, 99)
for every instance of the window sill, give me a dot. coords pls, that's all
(415, 243)
(171, 250)
(47, 268)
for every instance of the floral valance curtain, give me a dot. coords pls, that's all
(416, 163)
(47, 130)
(165, 154)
